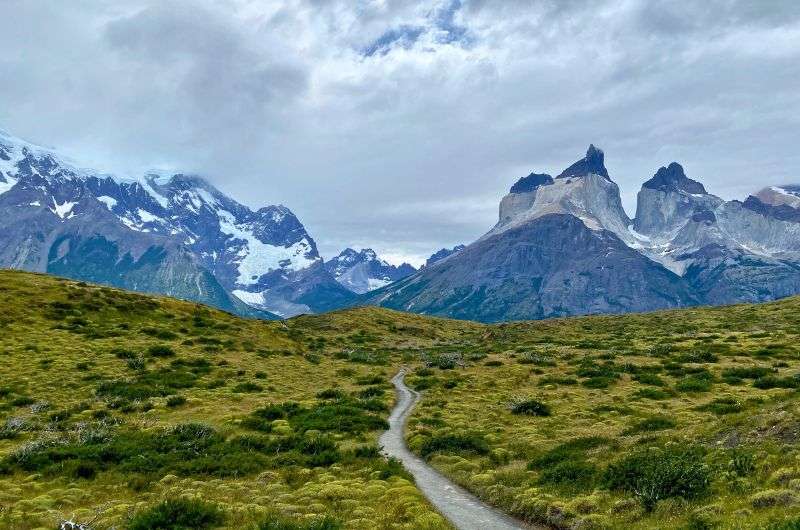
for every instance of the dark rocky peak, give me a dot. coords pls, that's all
(531, 182)
(350, 256)
(782, 212)
(704, 216)
(443, 253)
(592, 163)
(672, 178)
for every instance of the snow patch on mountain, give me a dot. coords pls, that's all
(64, 210)
(363, 271)
(256, 258)
(110, 202)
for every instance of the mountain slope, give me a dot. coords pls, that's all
(550, 267)
(166, 233)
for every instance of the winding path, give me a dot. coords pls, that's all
(461, 508)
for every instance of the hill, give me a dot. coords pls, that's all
(119, 409)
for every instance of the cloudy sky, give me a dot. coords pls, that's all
(400, 124)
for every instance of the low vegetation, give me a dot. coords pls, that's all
(130, 412)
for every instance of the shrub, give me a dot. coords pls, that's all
(599, 382)
(454, 443)
(722, 406)
(694, 383)
(124, 353)
(772, 381)
(371, 391)
(375, 379)
(529, 407)
(576, 474)
(161, 350)
(178, 514)
(653, 474)
(652, 393)
(572, 449)
(22, 401)
(651, 424)
(175, 401)
(331, 393)
(247, 387)
(746, 372)
(647, 378)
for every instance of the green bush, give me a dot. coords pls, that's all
(246, 388)
(647, 378)
(530, 407)
(651, 424)
(175, 401)
(772, 381)
(454, 443)
(722, 406)
(161, 350)
(694, 383)
(572, 449)
(371, 391)
(653, 474)
(331, 393)
(575, 474)
(178, 514)
(652, 393)
(345, 415)
(746, 372)
(374, 379)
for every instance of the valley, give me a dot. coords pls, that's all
(118, 409)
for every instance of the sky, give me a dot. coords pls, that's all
(399, 125)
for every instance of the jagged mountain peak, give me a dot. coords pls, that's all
(440, 254)
(531, 182)
(361, 271)
(584, 191)
(591, 164)
(673, 178)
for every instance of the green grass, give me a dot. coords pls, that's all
(119, 408)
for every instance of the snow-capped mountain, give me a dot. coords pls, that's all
(167, 233)
(362, 271)
(564, 245)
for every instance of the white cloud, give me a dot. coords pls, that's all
(404, 150)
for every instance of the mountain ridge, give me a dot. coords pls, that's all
(715, 251)
(200, 244)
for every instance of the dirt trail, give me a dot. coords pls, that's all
(461, 508)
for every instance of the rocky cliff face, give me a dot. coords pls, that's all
(583, 190)
(163, 233)
(362, 271)
(565, 246)
(551, 266)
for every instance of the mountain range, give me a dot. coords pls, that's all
(173, 234)
(564, 246)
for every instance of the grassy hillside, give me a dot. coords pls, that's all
(682, 419)
(112, 402)
(126, 410)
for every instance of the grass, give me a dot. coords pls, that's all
(117, 408)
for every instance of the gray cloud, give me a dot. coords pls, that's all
(399, 125)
